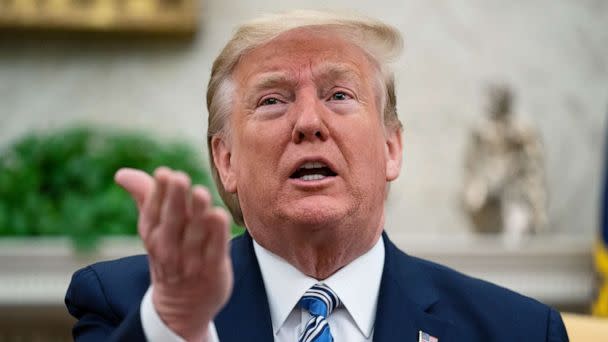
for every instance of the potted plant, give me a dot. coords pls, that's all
(61, 183)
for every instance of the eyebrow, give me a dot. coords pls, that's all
(268, 80)
(272, 80)
(336, 71)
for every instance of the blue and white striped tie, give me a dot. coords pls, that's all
(320, 301)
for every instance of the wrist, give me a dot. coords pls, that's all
(186, 327)
(200, 334)
(187, 319)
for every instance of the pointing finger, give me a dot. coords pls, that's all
(150, 214)
(175, 211)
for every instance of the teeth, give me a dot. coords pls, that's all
(312, 177)
(313, 165)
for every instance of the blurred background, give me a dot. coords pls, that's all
(122, 82)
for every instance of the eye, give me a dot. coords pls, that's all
(269, 101)
(340, 96)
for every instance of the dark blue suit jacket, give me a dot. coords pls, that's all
(415, 295)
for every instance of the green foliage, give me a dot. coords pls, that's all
(61, 184)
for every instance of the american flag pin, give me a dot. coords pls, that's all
(424, 337)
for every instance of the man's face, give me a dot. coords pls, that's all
(307, 146)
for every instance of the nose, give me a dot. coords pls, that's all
(309, 125)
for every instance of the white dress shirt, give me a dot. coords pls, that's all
(357, 285)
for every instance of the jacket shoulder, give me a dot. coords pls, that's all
(448, 280)
(489, 310)
(112, 287)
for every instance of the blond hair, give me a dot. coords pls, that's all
(380, 41)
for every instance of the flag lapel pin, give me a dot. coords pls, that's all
(424, 337)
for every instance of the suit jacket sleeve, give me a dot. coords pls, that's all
(98, 320)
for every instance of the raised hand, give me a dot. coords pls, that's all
(187, 242)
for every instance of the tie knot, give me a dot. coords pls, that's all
(320, 300)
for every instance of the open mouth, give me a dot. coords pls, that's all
(311, 171)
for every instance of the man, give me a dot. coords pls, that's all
(304, 139)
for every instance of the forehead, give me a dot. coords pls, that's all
(321, 51)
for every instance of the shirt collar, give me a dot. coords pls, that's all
(285, 285)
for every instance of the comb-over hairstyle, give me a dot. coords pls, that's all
(380, 41)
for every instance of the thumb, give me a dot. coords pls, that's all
(137, 183)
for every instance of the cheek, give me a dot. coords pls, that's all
(368, 153)
(360, 134)
(261, 147)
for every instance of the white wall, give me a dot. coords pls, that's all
(554, 54)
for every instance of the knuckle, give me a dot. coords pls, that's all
(175, 221)
(202, 194)
(161, 170)
(183, 178)
(219, 216)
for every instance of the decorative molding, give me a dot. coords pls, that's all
(37, 271)
(174, 16)
(557, 270)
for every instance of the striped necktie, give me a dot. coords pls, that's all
(320, 301)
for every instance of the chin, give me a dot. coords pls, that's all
(314, 212)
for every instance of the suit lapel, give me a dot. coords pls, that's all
(246, 316)
(405, 301)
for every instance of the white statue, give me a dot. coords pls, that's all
(505, 177)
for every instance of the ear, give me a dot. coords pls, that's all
(393, 153)
(222, 157)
